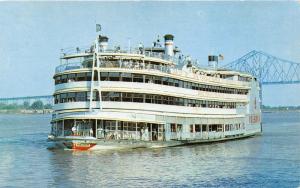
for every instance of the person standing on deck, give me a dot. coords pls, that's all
(74, 130)
(91, 132)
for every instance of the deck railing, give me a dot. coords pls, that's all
(125, 64)
(111, 64)
(120, 134)
(132, 51)
(83, 132)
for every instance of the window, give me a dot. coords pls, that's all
(114, 96)
(171, 82)
(191, 102)
(226, 127)
(149, 79)
(110, 125)
(131, 126)
(71, 77)
(157, 80)
(138, 78)
(127, 97)
(81, 77)
(165, 81)
(81, 96)
(176, 83)
(138, 97)
(180, 83)
(179, 127)
(180, 101)
(64, 78)
(95, 95)
(197, 128)
(173, 127)
(158, 99)
(171, 100)
(89, 76)
(56, 99)
(126, 77)
(219, 128)
(213, 127)
(165, 100)
(125, 126)
(114, 76)
(63, 98)
(149, 99)
(57, 80)
(71, 97)
(187, 85)
(194, 86)
(104, 76)
(105, 96)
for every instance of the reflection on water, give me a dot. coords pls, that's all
(272, 160)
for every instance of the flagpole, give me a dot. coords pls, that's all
(98, 29)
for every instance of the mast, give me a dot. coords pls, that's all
(100, 43)
(95, 57)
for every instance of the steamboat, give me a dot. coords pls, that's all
(148, 97)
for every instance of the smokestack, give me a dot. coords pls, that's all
(103, 43)
(213, 61)
(169, 45)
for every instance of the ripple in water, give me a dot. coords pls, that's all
(271, 160)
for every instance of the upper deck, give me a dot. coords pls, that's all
(155, 59)
(158, 66)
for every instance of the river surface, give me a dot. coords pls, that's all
(271, 160)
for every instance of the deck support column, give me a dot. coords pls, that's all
(136, 134)
(207, 130)
(151, 131)
(194, 131)
(201, 131)
(223, 130)
(117, 136)
(75, 127)
(96, 128)
(63, 128)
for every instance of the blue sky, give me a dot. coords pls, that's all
(32, 34)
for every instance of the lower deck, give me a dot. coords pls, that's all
(113, 130)
(90, 143)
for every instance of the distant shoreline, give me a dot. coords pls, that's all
(49, 111)
(276, 111)
(23, 111)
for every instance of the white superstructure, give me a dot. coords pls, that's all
(148, 97)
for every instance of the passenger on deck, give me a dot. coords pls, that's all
(91, 132)
(141, 133)
(74, 130)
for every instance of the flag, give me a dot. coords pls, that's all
(221, 57)
(98, 27)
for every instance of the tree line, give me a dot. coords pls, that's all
(36, 105)
(264, 107)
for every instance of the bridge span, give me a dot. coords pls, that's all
(46, 99)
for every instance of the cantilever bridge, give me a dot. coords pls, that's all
(268, 69)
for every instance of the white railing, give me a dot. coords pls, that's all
(120, 134)
(82, 132)
(132, 51)
(70, 66)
